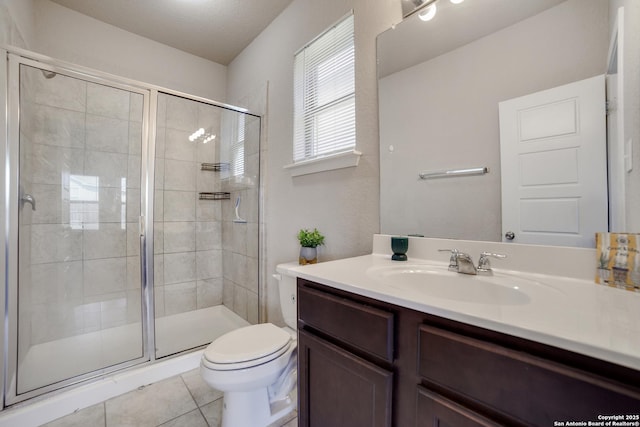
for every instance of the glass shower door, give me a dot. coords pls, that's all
(79, 293)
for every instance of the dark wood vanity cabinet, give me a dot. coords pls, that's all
(364, 362)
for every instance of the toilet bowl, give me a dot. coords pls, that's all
(256, 366)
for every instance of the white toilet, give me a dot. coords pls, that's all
(256, 366)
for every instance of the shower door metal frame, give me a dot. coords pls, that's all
(14, 59)
(9, 152)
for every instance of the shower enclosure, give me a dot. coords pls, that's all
(131, 229)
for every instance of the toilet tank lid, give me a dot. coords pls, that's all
(248, 343)
(285, 268)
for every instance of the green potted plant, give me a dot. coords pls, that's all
(309, 242)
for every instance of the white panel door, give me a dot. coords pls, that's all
(554, 165)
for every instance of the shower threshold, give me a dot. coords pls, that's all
(58, 360)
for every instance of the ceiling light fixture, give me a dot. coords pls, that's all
(428, 13)
(456, 1)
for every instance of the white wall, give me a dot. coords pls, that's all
(343, 204)
(70, 36)
(17, 26)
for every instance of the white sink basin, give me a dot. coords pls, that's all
(438, 282)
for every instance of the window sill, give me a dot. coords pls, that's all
(321, 164)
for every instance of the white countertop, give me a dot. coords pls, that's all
(576, 315)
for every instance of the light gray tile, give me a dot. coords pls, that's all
(253, 240)
(159, 174)
(113, 310)
(52, 207)
(209, 292)
(107, 134)
(180, 175)
(103, 276)
(213, 413)
(55, 243)
(227, 293)
(161, 115)
(56, 281)
(179, 298)
(108, 241)
(158, 206)
(133, 239)
(91, 416)
(178, 146)
(132, 207)
(55, 126)
(179, 206)
(253, 310)
(158, 270)
(50, 165)
(209, 264)
(239, 268)
(239, 238)
(190, 419)
(54, 321)
(252, 274)
(179, 237)
(110, 168)
(159, 143)
(151, 406)
(240, 301)
(158, 297)
(133, 171)
(181, 114)
(207, 181)
(158, 237)
(179, 267)
(209, 210)
(133, 272)
(60, 91)
(208, 235)
(135, 138)
(201, 391)
(107, 101)
(209, 117)
(111, 207)
(136, 107)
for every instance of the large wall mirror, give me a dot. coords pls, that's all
(494, 111)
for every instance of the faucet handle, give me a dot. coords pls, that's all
(453, 261)
(483, 263)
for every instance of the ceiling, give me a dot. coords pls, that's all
(217, 30)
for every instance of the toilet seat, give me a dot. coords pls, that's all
(246, 347)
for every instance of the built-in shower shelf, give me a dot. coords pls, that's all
(218, 195)
(214, 167)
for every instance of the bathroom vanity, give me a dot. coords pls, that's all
(374, 355)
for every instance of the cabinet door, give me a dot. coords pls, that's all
(436, 411)
(339, 389)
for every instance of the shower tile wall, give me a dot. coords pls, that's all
(240, 241)
(188, 255)
(80, 159)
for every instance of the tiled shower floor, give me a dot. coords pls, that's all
(181, 401)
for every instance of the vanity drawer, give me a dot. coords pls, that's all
(516, 384)
(345, 320)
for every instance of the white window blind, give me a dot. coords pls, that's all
(324, 94)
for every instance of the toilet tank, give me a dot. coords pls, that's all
(288, 293)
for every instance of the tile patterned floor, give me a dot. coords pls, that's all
(181, 401)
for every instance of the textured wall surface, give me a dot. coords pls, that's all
(342, 204)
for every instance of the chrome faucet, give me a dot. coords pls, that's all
(463, 263)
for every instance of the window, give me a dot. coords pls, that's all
(324, 95)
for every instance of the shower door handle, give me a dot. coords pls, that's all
(28, 198)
